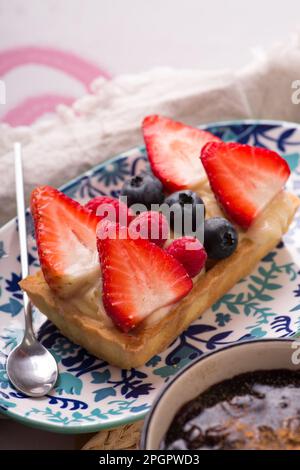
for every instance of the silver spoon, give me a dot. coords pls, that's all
(30, 366)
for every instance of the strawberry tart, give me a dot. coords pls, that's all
(125, 287)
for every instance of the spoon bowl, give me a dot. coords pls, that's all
(31, 368)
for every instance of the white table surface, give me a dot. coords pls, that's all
(129, 36)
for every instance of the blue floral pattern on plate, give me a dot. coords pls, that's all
(90, 394)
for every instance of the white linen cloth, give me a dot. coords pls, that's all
(107, 122)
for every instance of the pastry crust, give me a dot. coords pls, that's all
(137, 347)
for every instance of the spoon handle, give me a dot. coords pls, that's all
(22, 232)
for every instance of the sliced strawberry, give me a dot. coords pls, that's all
(66, 240)
(138, 278)
(110, 208)
(173, 151)
(244, 178)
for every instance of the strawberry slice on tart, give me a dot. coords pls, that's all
(173, 150)
(243, 178)
(138, 278)
(66, 240)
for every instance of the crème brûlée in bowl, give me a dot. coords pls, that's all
(126, 297)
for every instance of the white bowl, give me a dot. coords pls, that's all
(211, 369)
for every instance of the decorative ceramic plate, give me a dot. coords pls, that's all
(90, 394)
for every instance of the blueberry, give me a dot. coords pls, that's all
(185, 207)
(143, 189)
(220, 238)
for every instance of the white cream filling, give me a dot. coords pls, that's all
(272, 221)
(86, 261)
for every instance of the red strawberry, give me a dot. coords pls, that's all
(66, 240)
(190, 253)
(138, 278)
(152, 226)
(173, 151)
(244, 178)
(110, 208)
